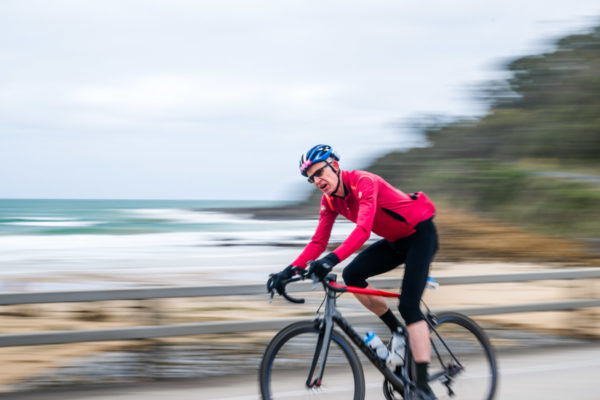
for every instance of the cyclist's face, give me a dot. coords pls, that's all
(325, 178)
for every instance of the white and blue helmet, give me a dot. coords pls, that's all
(320, 152)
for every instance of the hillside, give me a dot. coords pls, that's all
(533, 159)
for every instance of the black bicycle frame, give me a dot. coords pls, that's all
(331, 317)
(325, 325)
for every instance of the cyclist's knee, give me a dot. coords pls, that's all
(410, 313)
(351, 278)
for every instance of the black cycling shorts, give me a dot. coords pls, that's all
(416, 251)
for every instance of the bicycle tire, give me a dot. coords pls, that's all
(476, 377)
(284, 367)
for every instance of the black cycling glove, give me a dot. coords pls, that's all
(323, 266)
(276, 280)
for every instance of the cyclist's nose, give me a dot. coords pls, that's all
(321, 180)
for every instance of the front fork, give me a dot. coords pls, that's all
(325, 328)
(320, 356)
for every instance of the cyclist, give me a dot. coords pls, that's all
(404, 221)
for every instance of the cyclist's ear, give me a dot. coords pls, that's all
(336, 165)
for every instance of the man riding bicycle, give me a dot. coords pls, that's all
(404, 221)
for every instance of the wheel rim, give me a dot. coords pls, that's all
(291, 364)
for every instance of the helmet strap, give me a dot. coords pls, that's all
(339, 180)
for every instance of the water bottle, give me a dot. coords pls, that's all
(373, 341)
(432, 284)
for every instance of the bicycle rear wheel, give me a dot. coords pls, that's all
(462, 359)
(287, 361)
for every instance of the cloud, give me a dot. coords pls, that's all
(165, 94)
(135, 93)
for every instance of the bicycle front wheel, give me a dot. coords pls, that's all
(287, 360)
(462, 360)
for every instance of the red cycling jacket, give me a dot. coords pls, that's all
(375, 206)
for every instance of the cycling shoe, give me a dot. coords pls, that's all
(426, 394)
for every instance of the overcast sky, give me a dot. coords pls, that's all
(217, 99)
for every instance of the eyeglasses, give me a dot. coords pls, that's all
(318, 173)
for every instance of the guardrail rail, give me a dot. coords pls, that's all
(156, 331)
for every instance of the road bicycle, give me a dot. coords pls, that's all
(312, 359)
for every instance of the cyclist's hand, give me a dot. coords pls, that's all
(277, 280)
(320, 268)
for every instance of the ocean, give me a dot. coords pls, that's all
(95, 244)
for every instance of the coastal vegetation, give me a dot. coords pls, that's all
(533, 159)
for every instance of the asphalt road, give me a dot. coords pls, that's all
(542, 373)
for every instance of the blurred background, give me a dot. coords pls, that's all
(155, 144)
